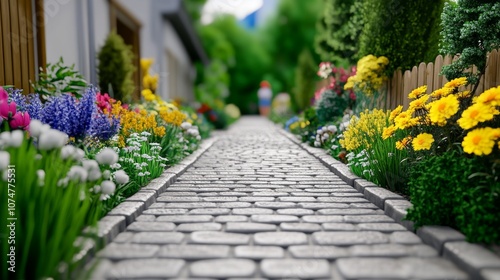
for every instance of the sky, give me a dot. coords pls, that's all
(238, 8)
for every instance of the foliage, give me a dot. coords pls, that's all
(285, 35)
(447, 190)
(59, 78)
(214, 84)
(116, 68)
(470, 29)
(194, 8)
(338, 31)
(304, 80)
(330, 106)
(403, 31)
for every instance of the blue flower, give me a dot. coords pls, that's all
(34, 106)
(103, 126)
(19, 98)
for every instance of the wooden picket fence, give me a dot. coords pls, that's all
(401, 84)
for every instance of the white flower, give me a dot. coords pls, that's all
(79, 154)
(4, 160)
(144, 164)
(97, 189)
(63, 182)
(5, 175)
(186, 125)
(116, 166)
(16, 137)
(154, 144)
(121, 177)
(67, 151)
(94, 175)
(318, 131)
(317, 144)
(146, 156)
(82, 195)
(198, 137)
(90, 164)
(136, 155)
(108, 187)
(104, 197)
(332, 128)
(145, 133)
(106, 174)
(78, 173)
(140, 174)
(193, 131)
(325, 137)
(162, 165)
(51, 139)
(37, 128)
(40, 173)
(334, 147)
(107, 156)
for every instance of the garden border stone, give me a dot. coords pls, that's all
(475, 259)
(117, 220)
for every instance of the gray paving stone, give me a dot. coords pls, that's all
(297, 199)
(295, 212)
(194, 252)
(223, 268)
(190, 227)
(220, 198)
(350, 211)
(256, 198)
(280, 238)
(210, 211)
(364, 206)
(130, 210)
(151, 226)
(382, 227)
(252, 211)
(323, 219)
(318, 252)
(270, 194)
(249, 227)
(302, 194)
(378, 196)
(147, 197)
(303, 227)
(490, 274)
(437, 236)
(115, 251)
(123, 237)
(234, 205)
(392, 250)
(214, 237)
(160, 212)
(349, 238)
(191, 205)
(339, 227)
(230, 218)
(170, 193)
(185, 219)
(470, 257)
(158, 238)
(142, 269)
(368, 219)
(362, 184)
(259, 252)
(275, 205)
(322, 205)
(302, 269)
(178, 199)
(274, 219)
(146, 218)
(397, 209)
(405, 237)
(404, 268)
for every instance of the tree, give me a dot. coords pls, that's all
(338, 31)
(116, 68)
(305, 76)
(400, 30)
(194, 8)
(471, 29)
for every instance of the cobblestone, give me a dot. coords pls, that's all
(257, 206)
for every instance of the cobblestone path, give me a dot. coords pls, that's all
(257, 206)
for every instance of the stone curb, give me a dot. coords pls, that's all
(476, 260)
(117, 220)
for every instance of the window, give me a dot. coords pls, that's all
(128, 27)
(22, 42)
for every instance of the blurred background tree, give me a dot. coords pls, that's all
(305, 80)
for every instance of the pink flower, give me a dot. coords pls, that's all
(7, 110)
(4, 95)
(103, 101)
(352, 95)
(20, 120)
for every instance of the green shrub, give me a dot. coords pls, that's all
(305, 76)
(444, 191)
(116, 68)
(58, 79)
(470, 29)
(403, 31)
(330, 106)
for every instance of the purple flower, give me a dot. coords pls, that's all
(103, 127)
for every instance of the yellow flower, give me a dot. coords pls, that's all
(416, 93)
(463, 94)
(395, 113)
(475, 114)
(148, 95)
(455, 83)
(443, 109)
(173, 117)
(294, 125)
(479, 141)
(388, 132)
(442, 92)
(491, 97)
(423, 141)
(403, 120)
(365, 130)
(403, 143)
(419, 103)
(145, 64)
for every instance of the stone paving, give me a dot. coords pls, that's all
(256, 206)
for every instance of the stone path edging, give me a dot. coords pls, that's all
(475, 259)
(126, 212)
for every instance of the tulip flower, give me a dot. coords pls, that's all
(20, 120)
(4, 95)
(7, 110)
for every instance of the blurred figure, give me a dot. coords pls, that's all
(265, 95)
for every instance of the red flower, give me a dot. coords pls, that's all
(20, 120)
(203, 108)
(7, 110)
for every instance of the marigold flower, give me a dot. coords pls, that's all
(442, 92)
(490, 97)
(416, 93)
(423, 141)
(442, 109)
(403, 120)
(403, 143)
(419, 103)
(479, 141)
(395, 113)
(475, 114)
(388, 132)
(455, 83)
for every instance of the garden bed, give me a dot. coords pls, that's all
(477, 260)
